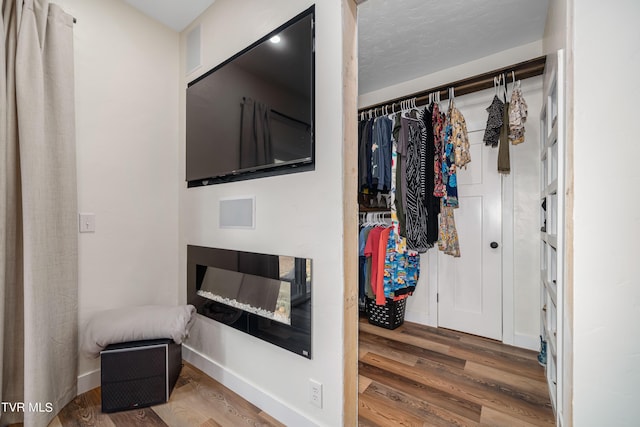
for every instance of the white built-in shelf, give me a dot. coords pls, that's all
(551, 288)
(550, 239)
(552, 188)
(552, 343)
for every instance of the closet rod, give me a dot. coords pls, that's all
(523, 70)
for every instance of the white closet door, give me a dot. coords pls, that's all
(470, 287)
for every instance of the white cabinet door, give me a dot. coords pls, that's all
(470, 287)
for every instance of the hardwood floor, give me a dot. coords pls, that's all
(421, 376)
(196, 400)
(412, 376)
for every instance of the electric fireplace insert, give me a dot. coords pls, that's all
(267, 296)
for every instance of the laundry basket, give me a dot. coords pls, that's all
(390, 315)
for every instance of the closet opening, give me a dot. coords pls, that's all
(418, 180)
(449, 224)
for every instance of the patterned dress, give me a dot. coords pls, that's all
(448, 242)
(459, 136)
(449, 176)
(494, 122)
(518, 111)
(438, 119)
(416, 210)
(448, 239)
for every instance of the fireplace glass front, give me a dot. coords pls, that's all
(267, 296)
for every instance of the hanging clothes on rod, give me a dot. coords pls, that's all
(448, 237)
(507, 124)
(387, 269)
(427, 148)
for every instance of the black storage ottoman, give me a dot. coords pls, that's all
(139, 373)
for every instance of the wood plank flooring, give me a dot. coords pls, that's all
(196, 400)
(416, 375)
(412, 376)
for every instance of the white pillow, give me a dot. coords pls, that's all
(136, 323)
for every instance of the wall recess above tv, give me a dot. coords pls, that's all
(253, 115)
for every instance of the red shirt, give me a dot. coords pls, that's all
(382, 254)
(371, 250)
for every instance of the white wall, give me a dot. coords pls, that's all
(298, 215)
(606, 214)
(524, 293)
(555, 31)
(126, 72)
(525, 172)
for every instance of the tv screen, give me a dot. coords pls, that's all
(253, 115)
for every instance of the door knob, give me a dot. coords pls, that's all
(494, 245)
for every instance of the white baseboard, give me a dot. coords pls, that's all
(419, 317)
(88, 381)
(249, 392)
(527, 341)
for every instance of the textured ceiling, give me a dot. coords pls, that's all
(176, 14)
(400, 40)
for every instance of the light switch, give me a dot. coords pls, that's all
(87, 222)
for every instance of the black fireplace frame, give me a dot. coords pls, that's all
(295, 337)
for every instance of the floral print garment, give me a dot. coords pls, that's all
(401, 267)
(449, 177)
(438, 120)
(448, 242)
(517, 115)
(459, 136)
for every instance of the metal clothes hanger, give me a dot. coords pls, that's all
(451, 96)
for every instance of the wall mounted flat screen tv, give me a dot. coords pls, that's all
(253, 115)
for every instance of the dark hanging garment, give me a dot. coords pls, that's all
(362, 155)
(383, 148)
(504, 162)
(367, 148)
(376, 155)
(432, 202)
(494, 122)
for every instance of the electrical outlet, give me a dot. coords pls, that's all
(315, 393)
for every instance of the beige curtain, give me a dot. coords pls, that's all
(38, 231)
